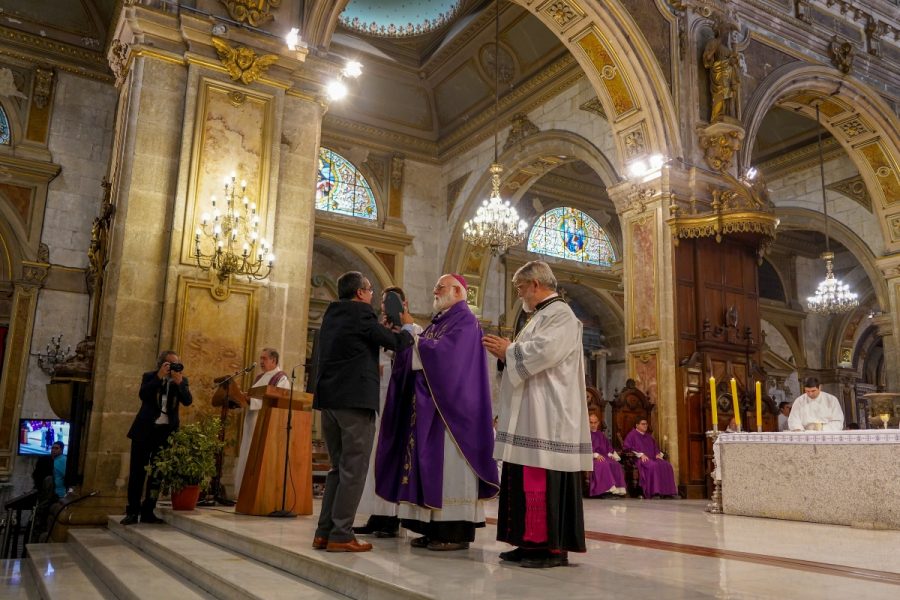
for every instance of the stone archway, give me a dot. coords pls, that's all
(858, 119)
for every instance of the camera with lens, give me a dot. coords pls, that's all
(176, 367)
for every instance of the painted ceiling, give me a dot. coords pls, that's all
(398, 18)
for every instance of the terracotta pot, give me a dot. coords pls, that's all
(186, 498)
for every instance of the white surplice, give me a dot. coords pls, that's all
(543, 420)
(824, 409)
(250, 425)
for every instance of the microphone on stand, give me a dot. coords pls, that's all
(249, 369)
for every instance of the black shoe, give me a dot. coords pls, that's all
(129, 520)
(151, 519)
(420, 542)
(547, 562)
(513, 555)
(363, 530)
(387, 533)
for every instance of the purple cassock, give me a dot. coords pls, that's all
(608, 476)
(657, 476)
(452, 388)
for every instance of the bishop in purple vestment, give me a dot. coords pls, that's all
(607, 476)
(656, 474)
(436, 439)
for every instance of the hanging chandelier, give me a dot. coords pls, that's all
(232, 237)
(496, 224)
(831, 297)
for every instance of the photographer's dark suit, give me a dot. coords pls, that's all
(147, 437)
(346, 392)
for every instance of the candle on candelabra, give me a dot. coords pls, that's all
(712, 401)
(737, 403)
(758, 406)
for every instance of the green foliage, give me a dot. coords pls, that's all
(190, 457)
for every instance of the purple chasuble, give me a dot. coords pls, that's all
(452, 393)
(608, 473)
(656, 474)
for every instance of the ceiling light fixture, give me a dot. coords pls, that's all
(831, 297)
(496, 224)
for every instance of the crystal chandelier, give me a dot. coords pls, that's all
(832, 297)
(232, 236)
(496, 224)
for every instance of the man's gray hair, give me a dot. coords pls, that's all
(271, 353)
(536, 270)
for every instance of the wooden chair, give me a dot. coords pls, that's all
(629, 406)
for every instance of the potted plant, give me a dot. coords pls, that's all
(188, 463)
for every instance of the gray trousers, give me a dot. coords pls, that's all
(348, 434)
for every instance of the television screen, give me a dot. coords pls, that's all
(37, 435)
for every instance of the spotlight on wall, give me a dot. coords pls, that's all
(642, 167)
(352, 69)
(293, 39)
(336, 90)
(752, 172)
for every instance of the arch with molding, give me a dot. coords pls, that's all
(611, 50)
(524, 164)
(854, 114)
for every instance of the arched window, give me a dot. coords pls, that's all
(342, 189)
(5, 137)
(568, 233)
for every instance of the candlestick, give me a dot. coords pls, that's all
(737, 404)
(712, 400)
(758, 406)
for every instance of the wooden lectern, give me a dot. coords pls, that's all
(263, 483)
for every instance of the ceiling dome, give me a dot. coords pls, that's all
(398, 18)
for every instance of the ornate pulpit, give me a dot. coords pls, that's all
(264, 482)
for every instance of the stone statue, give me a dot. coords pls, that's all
(723, 63)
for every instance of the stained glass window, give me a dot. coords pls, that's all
(568, 233)
(4, 128)
(342, 189)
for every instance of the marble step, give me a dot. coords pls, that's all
(223, 573)
(128, 573)
(59, 573)
(16, 581)
(286, 551)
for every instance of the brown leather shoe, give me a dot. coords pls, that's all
(351, 546)
(320, 543)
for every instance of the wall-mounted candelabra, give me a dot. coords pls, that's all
(53, 355)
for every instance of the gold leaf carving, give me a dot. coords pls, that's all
(613, 80)
(884, 170)
(855, 189)
(241, 62)
(254, 12)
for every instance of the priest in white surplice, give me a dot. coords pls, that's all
(543, 436)
(271, 375)
(815, 406)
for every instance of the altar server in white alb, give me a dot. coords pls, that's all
(271, 375)
(815, 406)
(543, 436)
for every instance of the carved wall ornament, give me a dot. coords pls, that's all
(562, 12)
(8, 86)
(853, 127)
(841, 54)
(397, 171)
(723, 62)
(118, 60)
(895, 228)
(43, 253)
(236, 97)
(520, 129)
(594, 106)
(242, 62)
(721, 141)
(855, 189)
(506, 70)
(634, 143)
(43, 87)
(254, 12)
(34, 273)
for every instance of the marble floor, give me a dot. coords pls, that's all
(636, 549)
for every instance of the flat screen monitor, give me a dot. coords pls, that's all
(37, 435)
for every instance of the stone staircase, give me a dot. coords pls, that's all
(188, 559)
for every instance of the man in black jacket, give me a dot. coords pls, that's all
(162, 391)
(346, 392)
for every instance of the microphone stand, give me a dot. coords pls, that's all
(216, 492)
(284, 513)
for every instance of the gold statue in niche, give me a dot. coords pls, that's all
(723, 63)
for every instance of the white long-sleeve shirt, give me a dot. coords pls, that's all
(825, 408)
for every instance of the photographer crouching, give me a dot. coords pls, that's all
(162, 391)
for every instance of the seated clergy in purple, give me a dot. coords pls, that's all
(656, 475)
(607, 476)
(436, 442)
